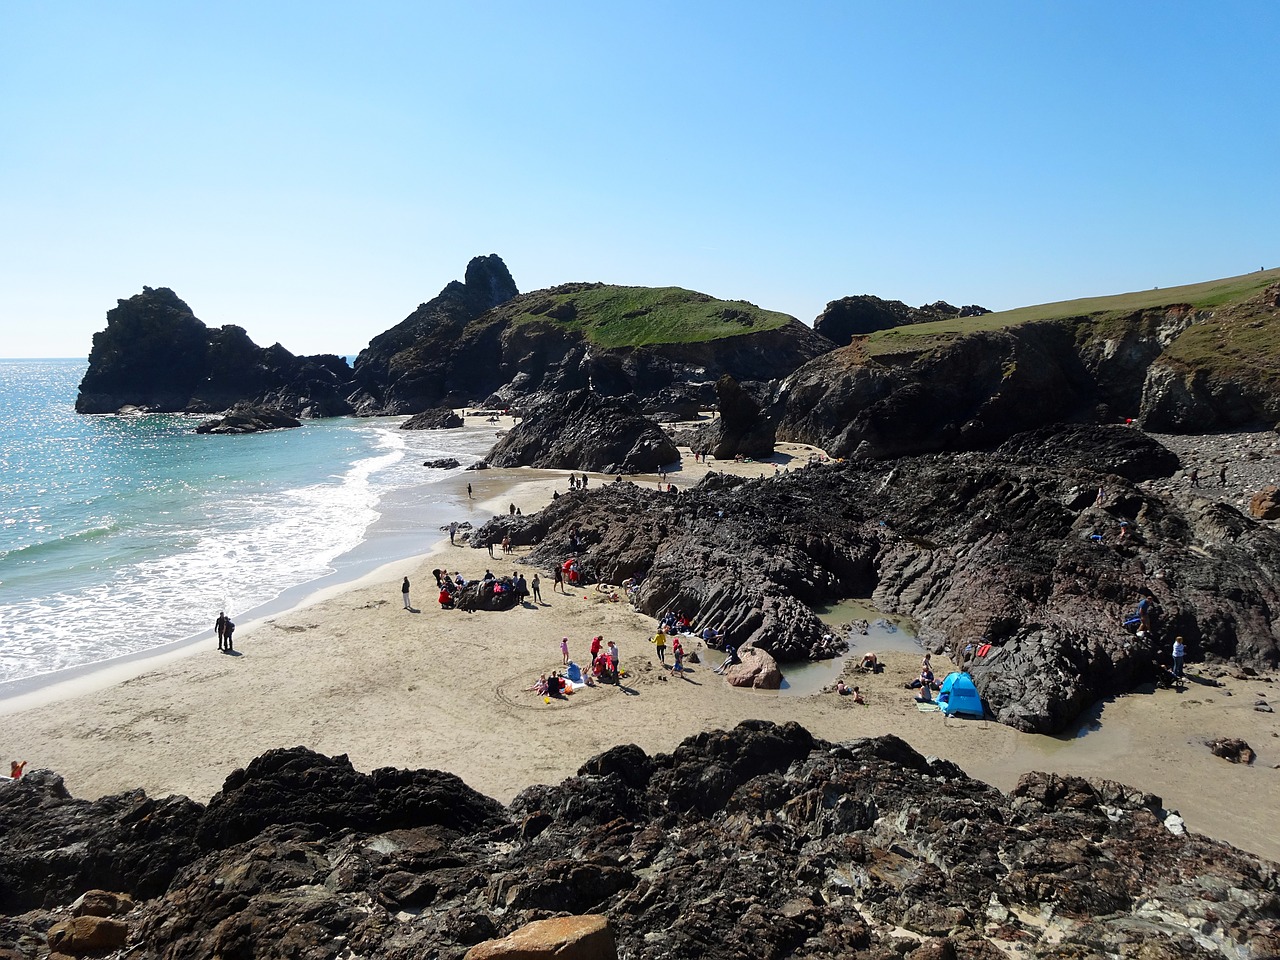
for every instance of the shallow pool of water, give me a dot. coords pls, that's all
(884, 633)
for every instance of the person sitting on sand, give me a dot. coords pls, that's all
(857, 696)
(925, 695)
(842, 689)
(924, 681)
(446, 599)
(541, 686)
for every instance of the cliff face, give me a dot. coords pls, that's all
(995, 546)
(1173, 369)
(761, 842)
(155, 354)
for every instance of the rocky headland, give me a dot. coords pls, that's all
(763, 841)
(156, 355)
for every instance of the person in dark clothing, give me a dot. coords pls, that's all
(220, 628)
(404, 592)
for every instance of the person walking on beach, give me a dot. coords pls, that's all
(453, 532)
(660, 643)
(469, 497)
(564, 649)
(220, 628)
(537, 588)
(489, 544)
(558, 578)
(404, 592)
(228, 631)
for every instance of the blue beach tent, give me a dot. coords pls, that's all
(959, 697)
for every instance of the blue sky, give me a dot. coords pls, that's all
(312, 171)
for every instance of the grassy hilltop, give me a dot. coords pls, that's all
(611, 316)
(1209, 295)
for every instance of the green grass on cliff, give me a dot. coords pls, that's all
(610, 316)
(1211, 295)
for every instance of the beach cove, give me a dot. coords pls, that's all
(349, 671)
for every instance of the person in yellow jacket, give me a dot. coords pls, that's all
(660, 641)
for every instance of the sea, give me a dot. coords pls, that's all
(123, 535)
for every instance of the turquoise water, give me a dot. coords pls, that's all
(120, 534)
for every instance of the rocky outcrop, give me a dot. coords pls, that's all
(1265, 504)
(584, 431)
(430, 359)
(741, 427)
(850, 317)
(245, 418)
(156, 355)
(1012, 547)
(443, 463)
(757, 669)
(760, 842)
(438, 418)
(1174, 369)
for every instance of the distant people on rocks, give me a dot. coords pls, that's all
(16, 768)
(1194, 476)
(513, 510)
(1222, 476)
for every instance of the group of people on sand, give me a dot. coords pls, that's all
(452, 585)
(605, 667)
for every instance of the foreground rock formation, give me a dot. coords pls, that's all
(763, 842)
(996, 547)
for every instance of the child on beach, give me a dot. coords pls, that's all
(564, 649)
(16, 768)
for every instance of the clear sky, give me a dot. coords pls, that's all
(312, 171)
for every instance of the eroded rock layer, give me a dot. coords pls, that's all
(762, 842)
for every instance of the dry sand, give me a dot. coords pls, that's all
(352, 672)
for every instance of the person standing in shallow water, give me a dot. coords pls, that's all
(404, 592)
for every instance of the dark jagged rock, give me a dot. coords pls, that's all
(444, 463)
(760, 842)
(53, 847)
(584, 431)
(482, 595)
(427, 360)
(299, 787)
(996, 546)
(244, 418)
(740, 429)
(850, 317)
(479, 465)
(439, 418)
(156, 355)
(1233, 749)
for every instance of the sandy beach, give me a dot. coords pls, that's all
(351, 672)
